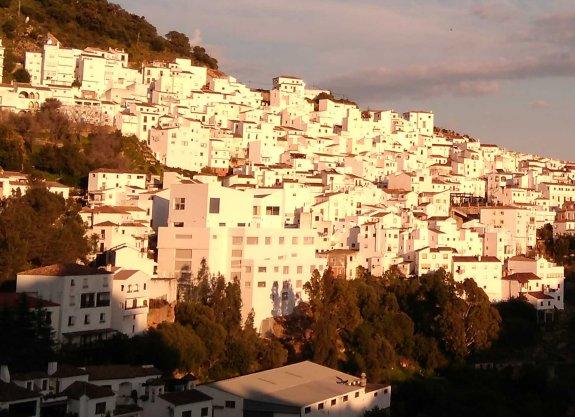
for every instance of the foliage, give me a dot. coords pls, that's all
(523, 392)
(49, 145)
(27, 341)
(21, 76)
(560, 249)
(207, 339)
(378, 325)
(39, 228)
(329, 96)
(99, 23)
(9, 28)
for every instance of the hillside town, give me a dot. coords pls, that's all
(264, 187)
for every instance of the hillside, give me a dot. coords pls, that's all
(82, 23)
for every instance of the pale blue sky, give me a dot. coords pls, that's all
(502, 71)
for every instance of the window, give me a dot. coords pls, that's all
(320, 406)
(102, 317)
(178, 224)
(71, 321)
(103, 299)
(294, 240)
(300, 269)
(87, 300)
(236, 253)
(230, 404)
(307, 410)
(262, 269)
(214, 205)
(252, 240)
(357, 395)
(87, 319)
(308, 240)
(178, 236)
(281, 240)
(237, 240)
(261, 284)
(72, 300)
(286, 270)
(345, 398)
(187, 413)
(44, 384)
(72, 283)
(204, 412)
(101, 408)
(273, 210)
(257, 210)
(268, 240)
(179, 203)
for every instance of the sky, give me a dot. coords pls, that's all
(501, 71)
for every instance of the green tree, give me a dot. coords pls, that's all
(39, 228)
(27, 341)
(21, 76)
(9, 28)
(179, 43)
(178, 347)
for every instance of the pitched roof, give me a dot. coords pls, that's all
(12, 392)
(125, 274)
(540, 295)
(103, 372)
(13, 299)
(521, 258)
(67, 371)
(185, 397)
(65, 269)
(475, 259)
(28, 376)
(80, 388)
(522, 277)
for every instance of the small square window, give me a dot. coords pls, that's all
(307, 410)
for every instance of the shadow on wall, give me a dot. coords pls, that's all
(284, 301)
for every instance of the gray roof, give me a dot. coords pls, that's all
(300, 384)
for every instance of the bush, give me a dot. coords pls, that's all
(9, 28)
(21, 76)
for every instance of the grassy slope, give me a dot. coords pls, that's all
(81, 23)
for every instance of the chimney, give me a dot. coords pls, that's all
(52, 368)
(363, 380)
(4, 374)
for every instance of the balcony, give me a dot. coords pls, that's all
(129, 311)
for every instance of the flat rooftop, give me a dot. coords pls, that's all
(296, 385)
